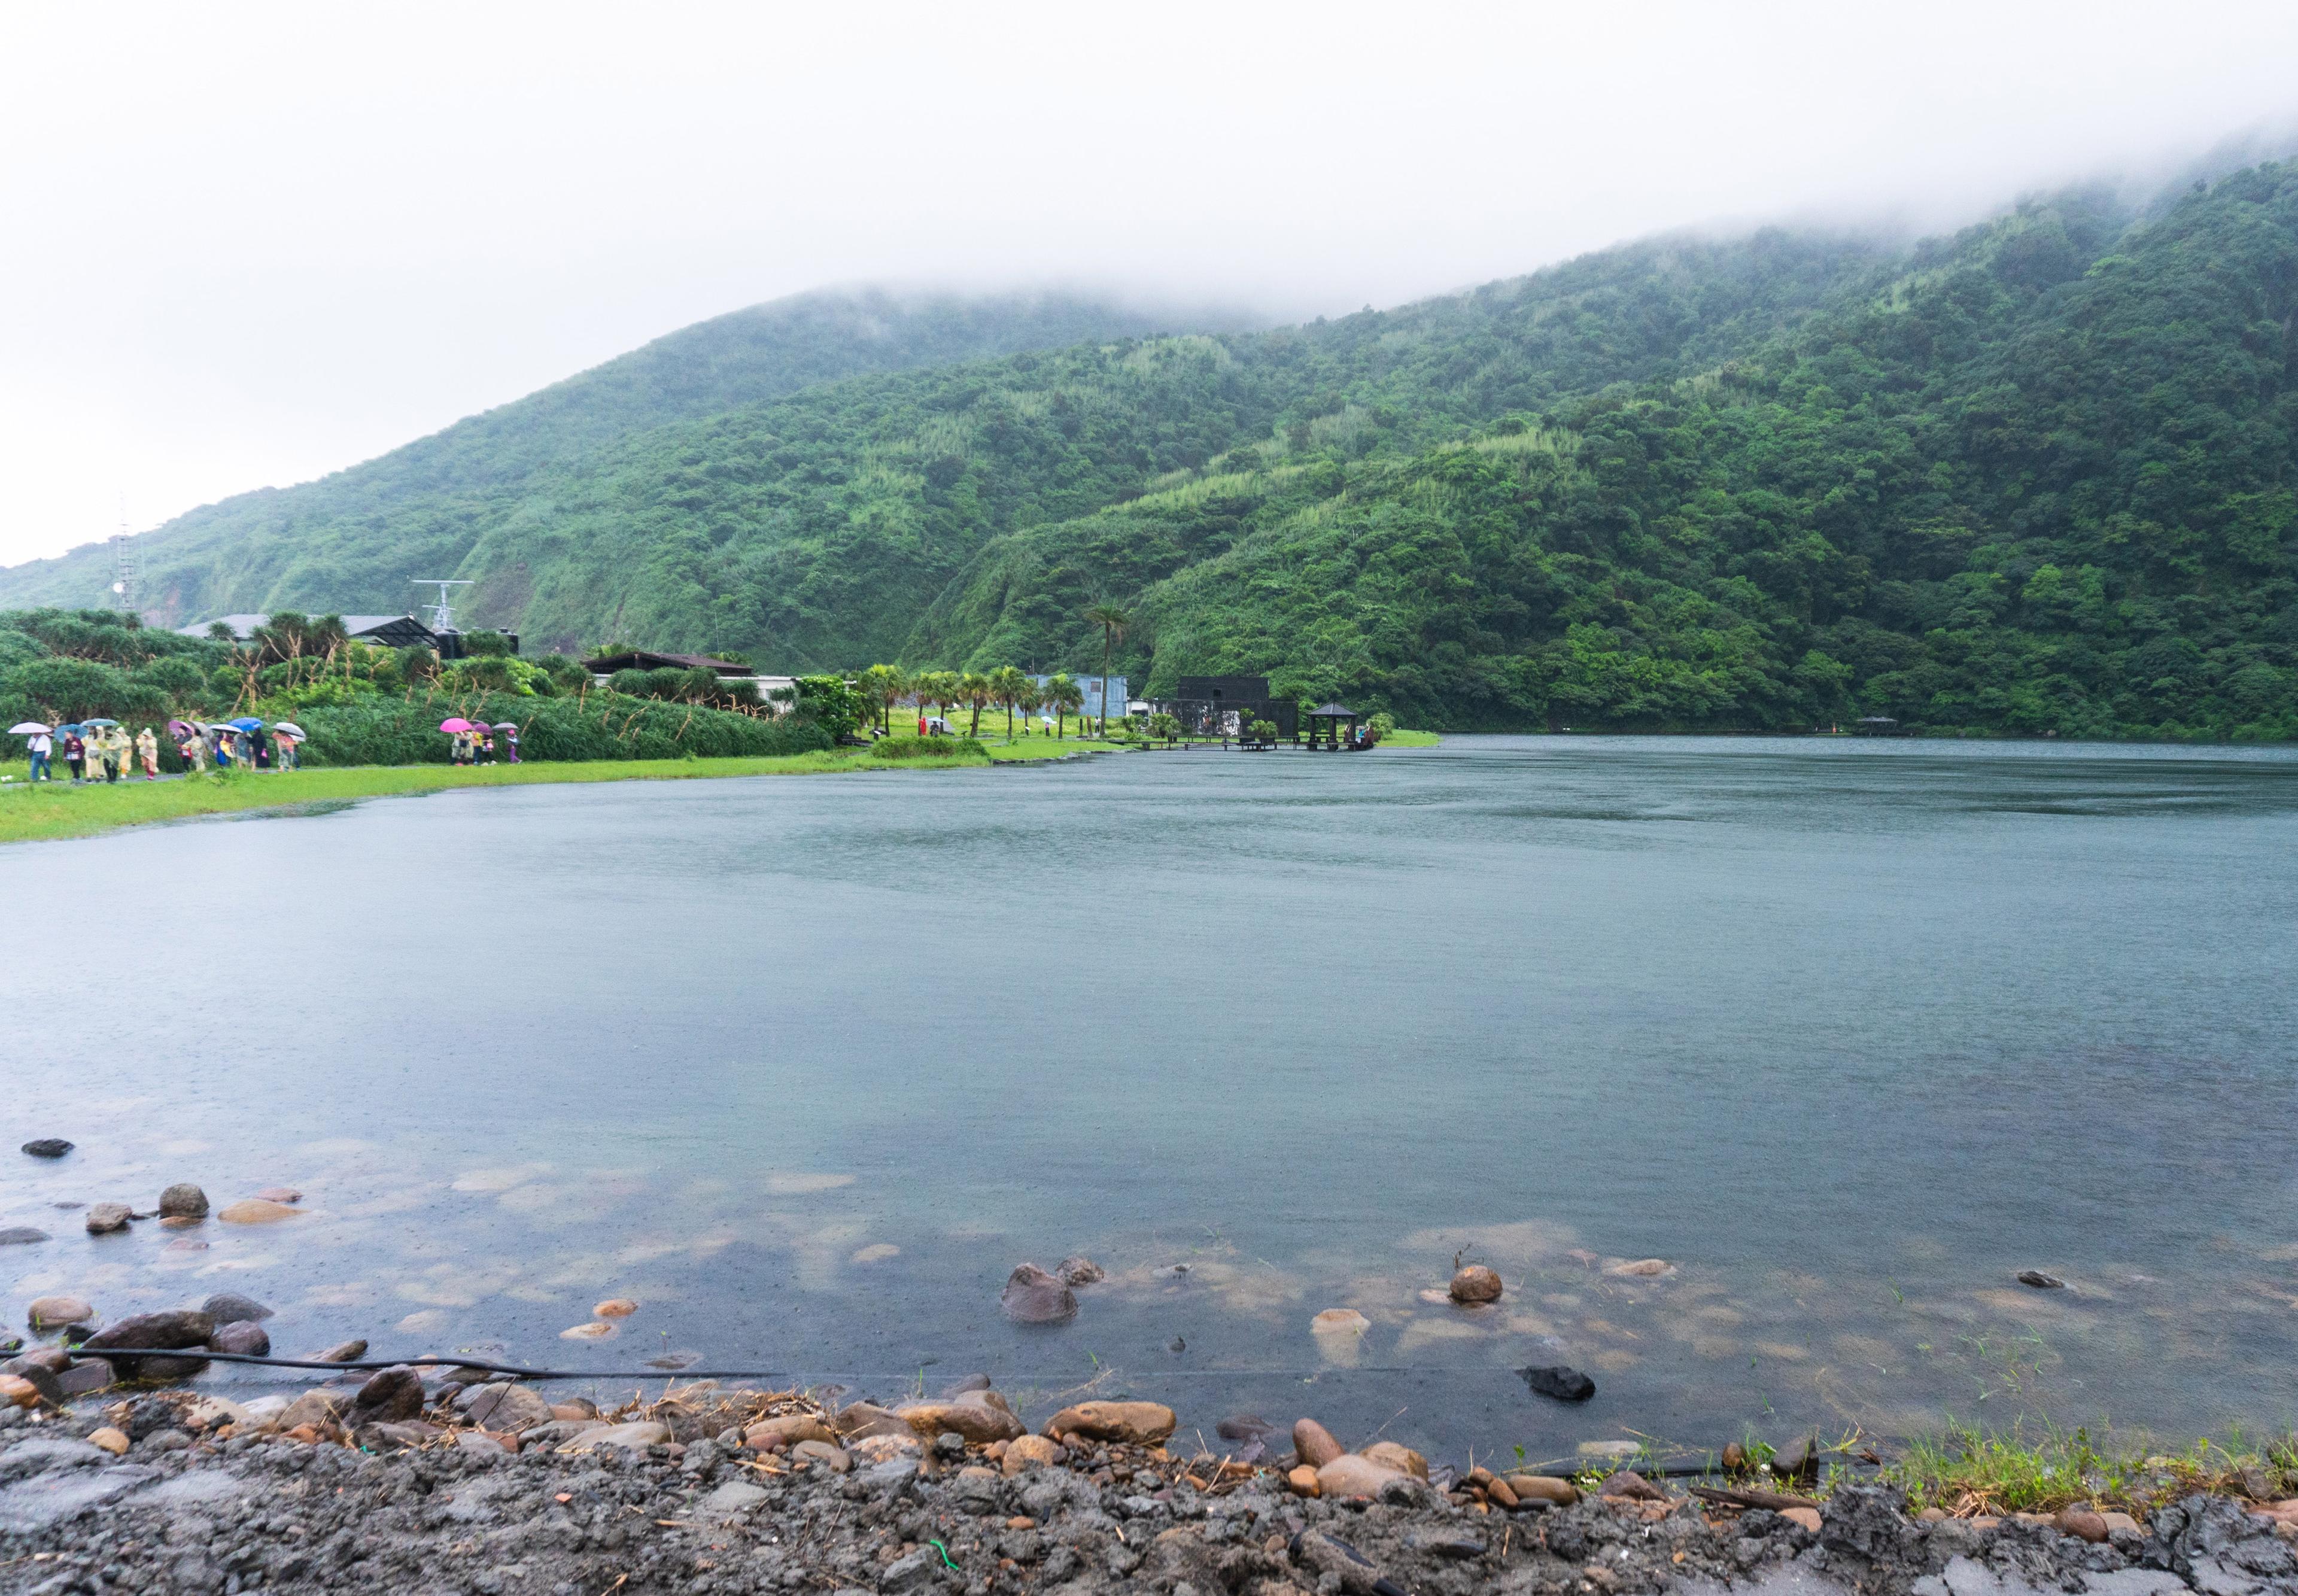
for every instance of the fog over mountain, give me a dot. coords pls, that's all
(250, 249)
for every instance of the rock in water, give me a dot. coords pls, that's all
(48, 1146)
(20, 1235)
(1034, 1297)
(2040, 1281)
(1558, 1382)
(1136, 1424)
(229, 1308)
(1080, 1272)
(256, 1210)
(280, 1193)
(53, 1313)
(614, 1308)
(1476, 1283)
(1797, 1457)
(103, 1217)
(183, 1201)
(342, 1352)
(174, 1331)
(241, 1335)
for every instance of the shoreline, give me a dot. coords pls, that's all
(401, 1478)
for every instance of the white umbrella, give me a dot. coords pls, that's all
(289, 727)
(28, 729)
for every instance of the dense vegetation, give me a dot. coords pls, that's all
(367, 706)
(2037, 477)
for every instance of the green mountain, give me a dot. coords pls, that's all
(2037, 477)
(349, 541)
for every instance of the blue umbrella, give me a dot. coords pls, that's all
(73, 730)
(245, 723)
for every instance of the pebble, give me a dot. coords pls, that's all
(2083, 1524)
(18, 1392)
(1799, 1456)
(597, 1329)
(1034, 1297)
(614, 1308)
(19, 1235)
(1303, 1481)
(229, 1308)
(574, 1406)
(103, 1217)
(87, 1376)
(507, 1407)
(1642, 1268)
(1339, 1321)
(1392, 1454)
(979, 1417)
(48, 1146)
(1558, 1382)
(53, 1313)
(1315, 1443)
(1544, 1487)
(256, 1210)
(787, 1429)
(1031, 1451)
(1502, 1493)
(1633, 1486)
(1804, 1518)
(280, 1193)
(114, 1441)
(342, 1352)
(1476, 1283)
(183, 1200)
(2040, 1281)
(1080, 1271)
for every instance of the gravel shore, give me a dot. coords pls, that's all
(761, 1492)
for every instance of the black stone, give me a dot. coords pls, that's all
(229, 1308)
(48, 1146)
(2040, 1281)
(1555, 1380)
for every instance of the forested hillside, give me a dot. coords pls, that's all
(349, 541)
(2034, 477)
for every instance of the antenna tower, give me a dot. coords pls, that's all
(123, 579)
(443, 618)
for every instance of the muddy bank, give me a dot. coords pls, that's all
(383, 1484)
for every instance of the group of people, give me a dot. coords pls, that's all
(107, 753)
(476, 746)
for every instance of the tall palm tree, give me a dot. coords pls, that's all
(974, 691)
(1112, 622)
(1007, 685)
(884, 685)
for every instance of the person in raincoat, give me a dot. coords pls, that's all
(510, 745)
(193, 748)
(107, 752)
(243, 753)
(285, 742)
(147, 751)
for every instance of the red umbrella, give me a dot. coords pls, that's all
(456, 723)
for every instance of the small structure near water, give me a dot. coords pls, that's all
(1324, 732)
(1227, 706)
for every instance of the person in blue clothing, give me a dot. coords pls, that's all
(38, 746)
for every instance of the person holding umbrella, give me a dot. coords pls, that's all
(190, 745)
(36, 746)
(286, 736)
(458, 751)
(509, 729)
(75, 751)
(147, 752)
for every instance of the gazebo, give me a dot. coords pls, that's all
(1325, 727)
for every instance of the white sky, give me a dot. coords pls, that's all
(244, 244)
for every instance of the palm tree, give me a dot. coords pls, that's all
(885, 685)
(1067, 698)
(1007, 685)
(1112, 622)
(935, 688)
(974, 691)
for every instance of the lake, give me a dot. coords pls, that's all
(1844, 1034)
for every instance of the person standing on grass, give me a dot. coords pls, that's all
(285, 743)
(486, 735)
(36, 747)
(147, 750)
(195, 750)
(510, 745)
(107, 753)
(75, 756)
(262, 748)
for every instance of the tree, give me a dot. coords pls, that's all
(974, 691)
(1067, 698)
(885, 686)
(1008, 686)
(1112, 622)
(829, 703)
(1163, 725)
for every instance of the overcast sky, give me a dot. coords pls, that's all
(244, 244)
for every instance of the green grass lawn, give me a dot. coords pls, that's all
(1402, 738)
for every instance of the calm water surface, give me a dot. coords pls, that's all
(1846, 1034)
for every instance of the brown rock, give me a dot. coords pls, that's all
(2083, 1524)
(103, 1217)
(1303, 1481)
(981, 1416)
(342, 1352)
(1030, 1451)
(182, 1221)
(1390, 1454)
(614, 1308)
(1932, 1516)
(479, 1441)
(1315, 1443)
(1633, 1486)
(1136, 1424)
(1735, 1457)
(85, 1377)
(1641, 1268)
(113, 1441)
(505, 1407)
(317, 1410)
(171, 1331)
(1355, 1476)
(787, 1429)
(390, 1396)
(53, 1313)
(256, 1210)
(1805, 1518)
(1034, 1297)
(18, 1392)
(280, 1193)
(837, 1459)
(2119, 1523)
(574, 1406)
(243, 1337)
(1498, 1490)
(857, 1420)
(1476, 1283)
(1080, 1271)
(183, 1200)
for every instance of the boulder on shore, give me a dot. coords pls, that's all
(176, 1330)
(242, 1336)
(183, 1201)
(1476, 1283)
(1133, 1424)
(53, 1313)
(104, 1217)
(1353, 1474)
(229, 1308)
(981, 1417)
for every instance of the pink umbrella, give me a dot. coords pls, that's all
(456, 723)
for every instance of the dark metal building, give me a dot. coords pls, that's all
(1227, 706)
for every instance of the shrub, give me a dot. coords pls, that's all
(389, 729)
(927, 748)
(1380, 725)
